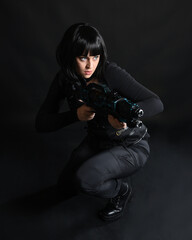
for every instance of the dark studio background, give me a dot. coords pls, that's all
(151, 39)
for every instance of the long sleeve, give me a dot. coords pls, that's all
(128, 87)
(48, 117)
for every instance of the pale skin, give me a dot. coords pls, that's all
(86, 66)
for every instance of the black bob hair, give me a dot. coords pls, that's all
(79, 40)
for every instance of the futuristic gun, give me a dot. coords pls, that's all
(101, 98)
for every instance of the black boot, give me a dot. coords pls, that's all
(115, 206)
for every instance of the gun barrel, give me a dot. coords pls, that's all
(140, 112)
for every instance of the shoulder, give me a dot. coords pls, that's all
(110, 66)
(59, 84)
(60, 80)
(114, 74)
(112, 69)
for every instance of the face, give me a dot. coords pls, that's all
(86, 65)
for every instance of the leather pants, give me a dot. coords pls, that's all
(98, 166)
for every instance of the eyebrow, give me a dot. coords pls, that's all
(89, 56)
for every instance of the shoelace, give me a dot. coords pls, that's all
(116, 200)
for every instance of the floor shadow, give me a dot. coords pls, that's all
(37, 202)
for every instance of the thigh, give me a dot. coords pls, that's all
(80, 154)
(117, 162)
(84, 151)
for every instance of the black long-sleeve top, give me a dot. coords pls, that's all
(49, 117)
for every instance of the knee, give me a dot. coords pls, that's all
(88, 180)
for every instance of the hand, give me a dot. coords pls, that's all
(115, 123)
(85, 113)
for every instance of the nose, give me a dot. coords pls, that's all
(89, 64)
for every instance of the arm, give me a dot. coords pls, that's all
(128, 87)
(48, 117)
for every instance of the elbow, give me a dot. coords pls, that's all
(154, 108)
(160, 106)
(44, 123)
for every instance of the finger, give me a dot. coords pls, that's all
(123, 125)
(90, 117)
(111, 116)
(90, 114)
(90, 109)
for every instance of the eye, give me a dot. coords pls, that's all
(96, 57)
(83, 59)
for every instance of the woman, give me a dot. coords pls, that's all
(104, 160)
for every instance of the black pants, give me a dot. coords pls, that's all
(98, 167)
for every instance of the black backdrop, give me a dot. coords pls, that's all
(151, 39)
